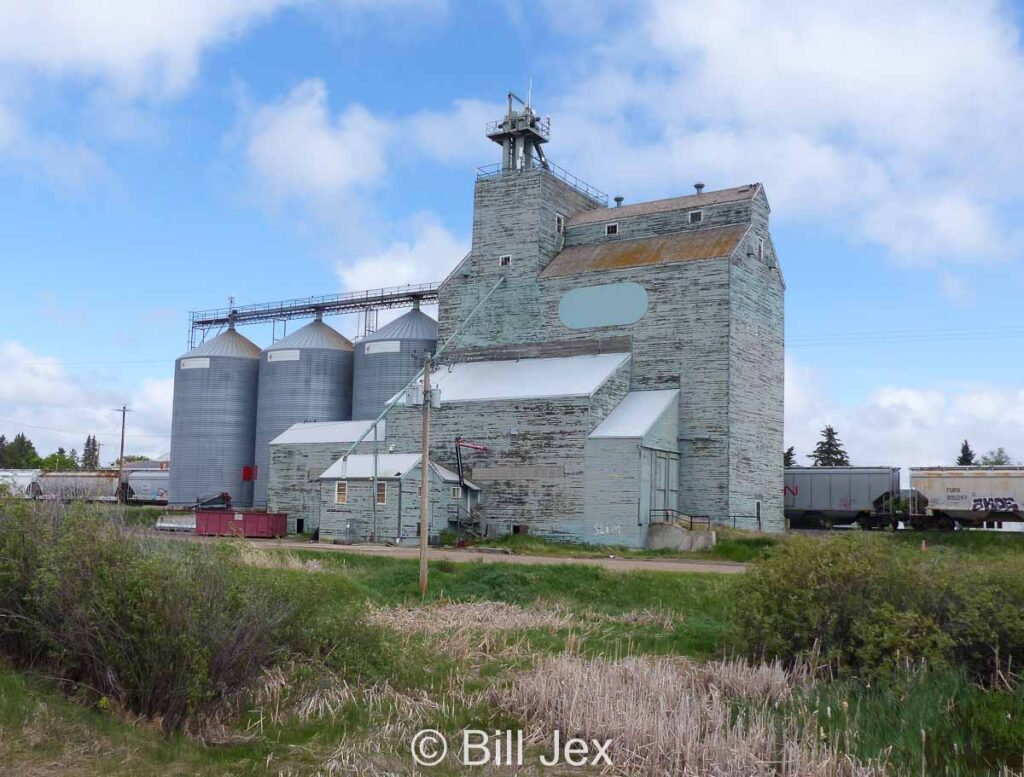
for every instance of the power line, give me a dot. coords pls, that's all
(14, 422)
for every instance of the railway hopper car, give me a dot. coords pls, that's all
(823, 497)
(972, 497)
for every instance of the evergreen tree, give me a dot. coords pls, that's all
(966, 457)
(21, 453)
(3, 452)
(789, 457)
(996, 458)
(91, 454)
(74, 457)
(829, 451)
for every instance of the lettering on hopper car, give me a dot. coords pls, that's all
(995, 504)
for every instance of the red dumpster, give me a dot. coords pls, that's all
(241, 523)
(265, 525)
(220, 523)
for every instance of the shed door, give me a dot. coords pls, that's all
(665, 481)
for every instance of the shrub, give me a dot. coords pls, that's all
(164, 628)
(868, 606)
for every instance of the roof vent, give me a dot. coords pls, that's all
(618, 200)
(699, 187)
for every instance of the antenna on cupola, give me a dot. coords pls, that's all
(520, 135)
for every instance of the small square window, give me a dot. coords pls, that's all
(341, 492)
(611, 229)
(382, 493)
(696, 216)
(456, 492)
(559, 223)
(505, 261)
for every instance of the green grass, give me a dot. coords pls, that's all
(698, 603)
(966, 729)
(732, 545)
(978, 543)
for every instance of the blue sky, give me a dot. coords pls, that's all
(157, 157)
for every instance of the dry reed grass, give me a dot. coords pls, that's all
(253, 556)
(676, 717)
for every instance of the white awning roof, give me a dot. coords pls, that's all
(390, 466)
(329, 431)
(635, 414)
(567, 376)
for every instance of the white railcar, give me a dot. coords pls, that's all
(978, 497)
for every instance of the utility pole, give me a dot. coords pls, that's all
(121, 490)
(425, 478)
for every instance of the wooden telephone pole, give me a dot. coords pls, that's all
(122, 491)
(425, 478)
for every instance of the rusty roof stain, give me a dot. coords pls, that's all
(617, 254)
(719, 197)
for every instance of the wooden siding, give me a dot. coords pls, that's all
(397, 520)
(756, 377)
(292, 486)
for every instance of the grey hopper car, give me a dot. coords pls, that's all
(822, 497)
(148, 486)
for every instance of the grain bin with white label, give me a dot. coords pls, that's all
(388, 359)
(306, 376)
(213, 421)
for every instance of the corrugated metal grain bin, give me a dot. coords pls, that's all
(243, 523)
(388, 359)
(307, 376)
(213, 421)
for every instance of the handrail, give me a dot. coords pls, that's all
(674, 516)
(498, 169)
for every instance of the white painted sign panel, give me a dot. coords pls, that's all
(197, 363)
(283, 356)
(383, 346)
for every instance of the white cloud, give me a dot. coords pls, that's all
(55, 408)
(137, 47)
(125, 53)
(150, 47)
(455, 134)
(429, 256)
(890, 121)
(903, 426)
(298, 149)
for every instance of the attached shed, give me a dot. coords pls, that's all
(299, 455)
(366, 500)
(571, 453)
(632, 468)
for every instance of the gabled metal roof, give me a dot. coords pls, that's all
(414, 325)
(315, 334)
(228, 343)
(618, 254)
(686, 202)
(566, 376)
(635, 414)
(390, 466)
(329, 431)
